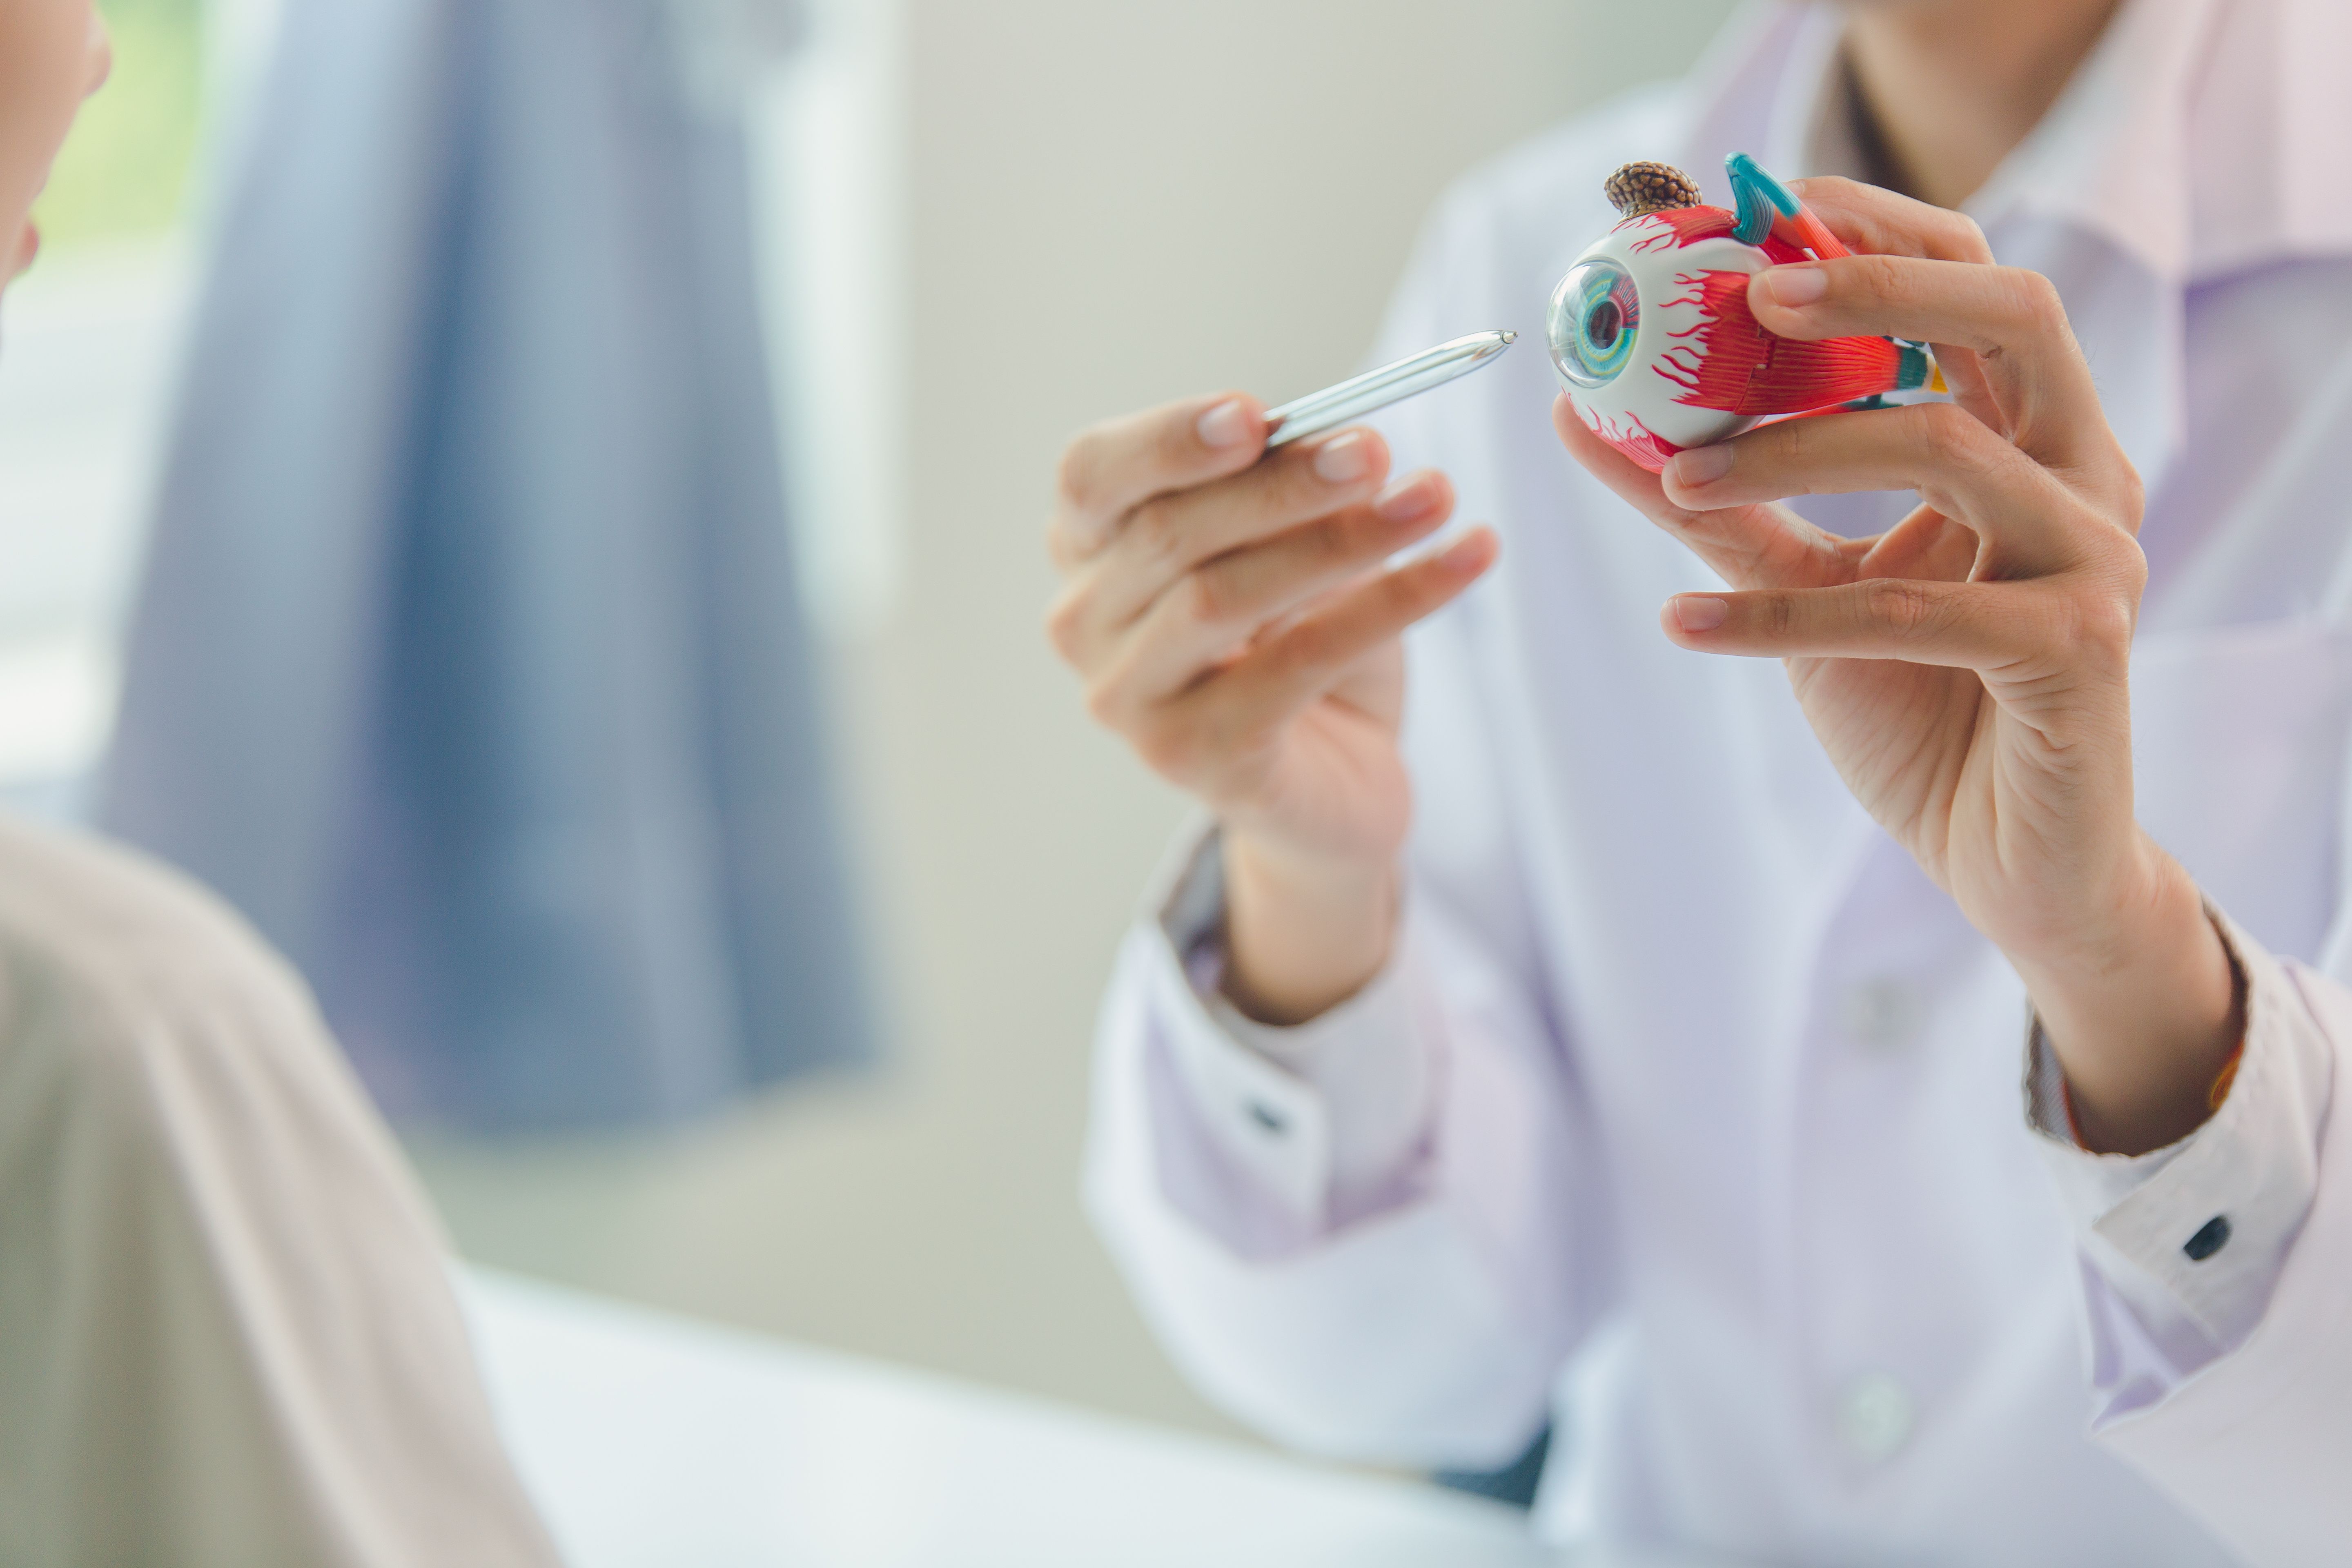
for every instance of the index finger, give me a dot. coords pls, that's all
(1752, 545)
(1881, 223)
(1113, 467)
(2012, 319)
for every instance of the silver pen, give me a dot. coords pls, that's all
(1358, 395)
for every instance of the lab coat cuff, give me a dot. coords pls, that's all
(2207, 1220)
(1332, 1116)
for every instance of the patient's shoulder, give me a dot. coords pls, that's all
(108, 934)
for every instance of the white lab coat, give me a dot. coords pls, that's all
(1689, 1113)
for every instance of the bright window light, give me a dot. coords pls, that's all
(827, 194)
(89, 340)
(87, 345)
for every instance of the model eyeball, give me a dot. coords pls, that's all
(1596, 313)
(1701, 369)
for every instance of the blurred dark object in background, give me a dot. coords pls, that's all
(469, 662)
(1516, 1483)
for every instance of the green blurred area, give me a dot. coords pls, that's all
(125, 168)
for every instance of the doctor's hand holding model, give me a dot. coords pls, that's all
(1877, 1104)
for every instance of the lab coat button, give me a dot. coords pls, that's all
(1875, 1416)
(2210, 1238)
(1267, 1117)
(1883, 1014)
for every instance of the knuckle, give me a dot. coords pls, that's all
(1065, 620)
(1157, 529)
(1339, 541)
(2036, 299)
(2113, 605)
(2096, 622)
(1114, 698)
(2131, 499)
(1305, 647)
(2107, 620)
(1902, 605)
(1888, 280)
(1411, 593)
(1947, 435)
(1077, 478)
(1794, 441)
(1211, 597)
(2135, 574)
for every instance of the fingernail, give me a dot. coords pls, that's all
(1409, 497)
(1466, 554)
(1225, 425)
(1697, 612)
(1343, 457)
(1796, 285)
(1701, 465)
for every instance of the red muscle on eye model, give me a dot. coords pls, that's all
(1650, 332)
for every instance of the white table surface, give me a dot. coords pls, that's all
(653, 1441)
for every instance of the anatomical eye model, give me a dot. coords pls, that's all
(1651, 330)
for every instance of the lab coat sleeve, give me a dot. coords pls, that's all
(2256, 1440)
(1379, 1236)
(2182, 1245)
(1376, 1236)
(1413, 1310)
(1330, 1120)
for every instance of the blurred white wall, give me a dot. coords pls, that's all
(1107, 204)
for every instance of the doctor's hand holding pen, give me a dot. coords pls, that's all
(1234, 617)
(1967, 670)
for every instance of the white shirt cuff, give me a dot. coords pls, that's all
(2191, 1237)
(1332, 1117)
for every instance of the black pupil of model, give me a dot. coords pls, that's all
(1603, 323)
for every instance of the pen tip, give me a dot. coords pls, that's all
(1508, 336)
